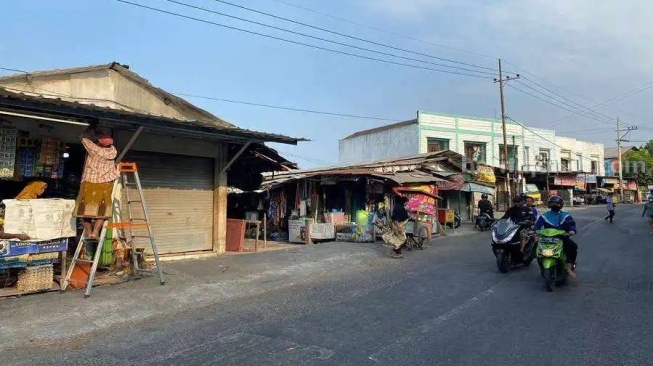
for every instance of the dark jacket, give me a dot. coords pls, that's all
(399, 214)
(519, 214)
(485, 206)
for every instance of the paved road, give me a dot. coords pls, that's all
(447, 305)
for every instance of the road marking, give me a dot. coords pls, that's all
(431, 324)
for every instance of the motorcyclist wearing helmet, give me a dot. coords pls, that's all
(555, 218)
(485, 206)
(519, 212)
(521, 215)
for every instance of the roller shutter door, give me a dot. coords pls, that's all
(178, 192)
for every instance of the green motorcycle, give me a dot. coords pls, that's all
(551, 257)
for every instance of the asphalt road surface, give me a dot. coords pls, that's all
(447, 305)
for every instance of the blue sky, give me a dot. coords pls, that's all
(585, 51)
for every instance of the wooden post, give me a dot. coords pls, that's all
(220, 201)
(265, 230)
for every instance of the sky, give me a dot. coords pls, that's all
(582, 53)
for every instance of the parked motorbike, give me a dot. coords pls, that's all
(484, 221)
(551, 257)
(506, 245)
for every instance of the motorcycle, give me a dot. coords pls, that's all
(484, 221)
(506, 245)
(551, 257)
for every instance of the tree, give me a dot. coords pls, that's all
(639, 164)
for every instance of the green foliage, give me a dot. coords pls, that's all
(639, 164)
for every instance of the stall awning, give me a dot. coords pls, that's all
(475, 187)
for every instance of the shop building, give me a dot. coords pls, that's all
(535, 156)
(186, 156)
(353, 194)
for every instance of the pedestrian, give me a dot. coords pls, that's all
(648, 211)
(610, 205)
(94, 202)
(396, 236)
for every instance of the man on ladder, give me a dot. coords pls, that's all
(95, 204)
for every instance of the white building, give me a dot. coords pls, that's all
(478, 139)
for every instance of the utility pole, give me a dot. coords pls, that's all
(501, 81)
(620, 139)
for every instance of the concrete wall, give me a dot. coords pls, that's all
(582, 154)
(392, 143)
(105, 88)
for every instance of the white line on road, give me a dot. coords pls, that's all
(431, 324)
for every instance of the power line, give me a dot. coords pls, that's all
(567, 99)
(51, 93)
(608, 121)
(296, 42)
(287, 108)
(546, 139)
(348, 35)
(323, 39)
(381, 30)
(549, 102)
(595, 106)
(13, 70)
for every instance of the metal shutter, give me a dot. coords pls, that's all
(178, 192)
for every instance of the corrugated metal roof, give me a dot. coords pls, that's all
(423, 168)
(184, 106)
(381, 128)
(42, 104)
(613, 152)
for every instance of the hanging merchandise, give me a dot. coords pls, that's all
(50, 151)
(7, 151)
(27, 162)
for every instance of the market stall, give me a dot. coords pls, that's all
(28, 266)
(422, 203)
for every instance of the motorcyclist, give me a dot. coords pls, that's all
(519, 212)
(521, 215)
(530, 202)
(555, 218)
(485, 206)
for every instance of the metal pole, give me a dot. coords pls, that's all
(503, 127)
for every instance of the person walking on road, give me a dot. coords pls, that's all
(396, 236)
(610, 205)
(648, 211)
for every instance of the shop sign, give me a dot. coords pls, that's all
(564, 180)
(612, 181)
(453, 183)
(485, 174)
(580, 182)
(420, 203)
(14, 248)
(631, 185)
(426, 188)
(590, 179)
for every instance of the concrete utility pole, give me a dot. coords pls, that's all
(501, 81)
(620, 139)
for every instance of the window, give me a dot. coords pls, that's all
(564, 164)
(435, 145)
(579, 162)
(512, 156)
(595, 167)
(475, 151)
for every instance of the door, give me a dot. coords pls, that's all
(178, 192)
